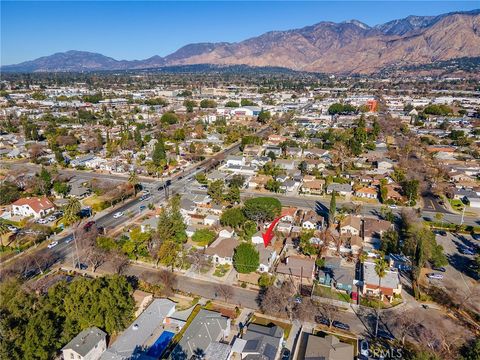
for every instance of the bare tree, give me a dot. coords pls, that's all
(119, 261)
(329, 312)
(278, 300)
(225, 291)
(169, 281)
(95, 257)
(306, 310)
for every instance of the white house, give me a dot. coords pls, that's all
(35, 206)
(221, 250)
(87, 345)
(211, 220)
(235, 161)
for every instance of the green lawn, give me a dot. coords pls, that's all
(326, 292)
(221, 270)
(456, 204)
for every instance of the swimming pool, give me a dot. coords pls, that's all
(159, 346)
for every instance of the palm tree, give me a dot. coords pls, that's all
(133, 180)
(381, 267)
(3, 229)
(71, 216)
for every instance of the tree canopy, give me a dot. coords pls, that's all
(262, 208)
(246, 258)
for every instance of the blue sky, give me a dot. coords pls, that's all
(137, 30)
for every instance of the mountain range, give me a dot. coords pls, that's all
(349, 47)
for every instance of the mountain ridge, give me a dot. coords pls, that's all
(348, 47)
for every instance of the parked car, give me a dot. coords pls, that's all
(393, 206)
(81, 266)
(439, 268)
(435, 276)
(466, 250)
(442, 233)
(341, 325)
(68, 239)
(364, 349)
(51, 218)
(322, 320)
(12, 228)
(52, 244)
(143, 207)
(285, 354)
(117, 215)
(41, 221)
(144, 197)
(88, 225)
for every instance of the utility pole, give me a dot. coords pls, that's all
(463, 214)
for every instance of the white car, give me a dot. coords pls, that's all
(12, 228)
(41, 221)
(435, 276)
(117, 215)
(52, 244)
(393, 206)
(51, 218)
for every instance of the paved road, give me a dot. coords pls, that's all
(322, 206)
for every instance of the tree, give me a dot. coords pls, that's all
(119, 261)
(208, 103)
(237, 181)
(272, 185)
(389, 243)
(233, 195)
(168, 252)
(168, 280)
(265, 280)
(246, 258)
(189, 104)
(410, 190)
(233, 217)
(71, 215)
(471, 350)
(381, 267)
(264, 116)
(45, 184)
(170, 223)
(232, 104)
(332, 209)
(262, 209)
(134, 182)
(303, 167)
(9, 193)
(159, 155)
(276, 301)
(215, 190)
(225, 291)
(169, 118)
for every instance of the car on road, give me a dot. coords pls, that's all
(12, 228)
(341, 325)
(435, 276)
(117, 215)
(68, 239)
(393, 206)
(143, 207)
(145, 197)
(442, 233)
(439, 268)
(285, 354)
(52, 244)
(51, 218)
(41, 221)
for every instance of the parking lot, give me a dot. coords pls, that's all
(460, 277)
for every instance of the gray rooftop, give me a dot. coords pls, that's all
(134, 338)
(207, 327)
(391, 279)
(262, 342)
(85, 341)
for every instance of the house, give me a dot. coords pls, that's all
(252, 150)
(294, 151)
(297, 266)
(36, 206)
(259, 342)
(267, 256)
(312, 221)
(327, 348)
(289, 185)
(221, 250)
(390, 284)
(384, 164)
(211, 220)
(351, 225)
(276, 150)
(337, 275)
(342, 189)
(145, 329)
(367, 193)
(285, 164)
(258, 181)
(206, 328)
(288, 214)
(235, 161)
(373, 230)
(257, 238)
(314, 187)
(87, 345)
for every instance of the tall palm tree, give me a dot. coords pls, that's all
(133, 180)
(71, 216)
(381, 267)
(3, 230)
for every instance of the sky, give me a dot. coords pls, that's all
(137, 30)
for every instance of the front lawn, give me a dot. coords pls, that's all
(221, 270)
(326, 292)
(257, 319)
